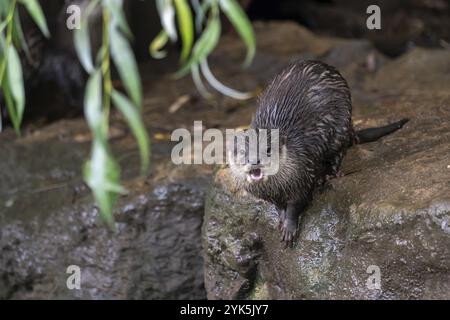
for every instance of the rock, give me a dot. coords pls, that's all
(48, 221)
(403, 24)
(389, 213)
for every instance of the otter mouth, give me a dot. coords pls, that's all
(256, 174)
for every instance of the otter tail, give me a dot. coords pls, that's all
(373, 134)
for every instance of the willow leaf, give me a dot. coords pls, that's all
(134, 120)
(157, 44)
(34, 9)
(15, 79)
(185, 26)
(126, 65)
(240, 21)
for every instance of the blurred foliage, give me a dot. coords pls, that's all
(101, 172)
(196, 24)
(11, 41)
(207, 27)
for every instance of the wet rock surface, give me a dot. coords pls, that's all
(48, 223)
(390, 211)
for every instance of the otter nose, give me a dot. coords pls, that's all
(254, 161)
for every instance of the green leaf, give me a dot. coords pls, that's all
(157, 44)
(82, 44)
(82, 40)
(134, 120)
(3, 25)
(125, 63)
(3, 8)
(15, 79)
(240, 21)
(185, 26)
(102, 175)
(90, 8)
(10, 104)
(34, 9)
(93, 104)
(18, 35)
(115, 7)
(204, 46)
(167, 17)
(2, 45)
(7, 9)
(195, 72)
(216, 84)
(200, 12)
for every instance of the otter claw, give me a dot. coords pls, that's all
(288, 240)
(281, 218)
(288, 228)
(287, 236)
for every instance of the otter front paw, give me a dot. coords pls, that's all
(289, 218)
(288, 232)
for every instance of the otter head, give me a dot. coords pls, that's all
(254, 155)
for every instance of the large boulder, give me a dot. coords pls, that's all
(388, 218)
(49, 222)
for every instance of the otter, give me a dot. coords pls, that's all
(310, 105)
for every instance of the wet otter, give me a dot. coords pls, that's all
(310, 103)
